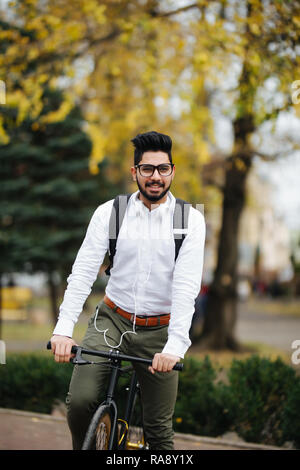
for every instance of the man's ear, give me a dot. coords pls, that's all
(173, 172)
(133, 173)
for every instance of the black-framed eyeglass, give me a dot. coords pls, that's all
(164, 169)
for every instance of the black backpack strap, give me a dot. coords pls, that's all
(180, 223)
(115, 222)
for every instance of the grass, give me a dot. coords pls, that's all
(25, 331)
(31, 334)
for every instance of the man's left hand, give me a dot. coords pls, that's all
(163, 362)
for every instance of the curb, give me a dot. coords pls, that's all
(184, 437)
(226, 442)
(31, 414)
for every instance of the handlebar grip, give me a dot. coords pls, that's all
(73, 350)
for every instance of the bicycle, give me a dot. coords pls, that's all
(106, 430)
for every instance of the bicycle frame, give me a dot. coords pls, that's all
(132, 393)
(109, 401)
(116, 359)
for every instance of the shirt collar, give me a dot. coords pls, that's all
(162, 208)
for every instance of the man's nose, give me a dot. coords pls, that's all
(156, 170)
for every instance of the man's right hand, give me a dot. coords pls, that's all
(61, 347)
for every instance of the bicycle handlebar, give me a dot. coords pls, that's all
(114, 355)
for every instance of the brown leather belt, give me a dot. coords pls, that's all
(154, 320)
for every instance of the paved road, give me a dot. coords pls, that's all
(20, 430)
(275, 330)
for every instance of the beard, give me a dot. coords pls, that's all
(152, 198)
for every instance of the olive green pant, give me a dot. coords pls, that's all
(89, 382)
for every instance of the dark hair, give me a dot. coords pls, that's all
(151, 141)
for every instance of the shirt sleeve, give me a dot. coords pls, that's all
(84, 271)
(186, 286)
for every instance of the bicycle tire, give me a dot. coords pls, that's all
(99, 431)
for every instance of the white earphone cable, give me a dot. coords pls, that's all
(135, 301)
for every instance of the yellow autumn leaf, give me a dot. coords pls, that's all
(200, 58)
(54, 21)
(296, 20)
(93, 167)
(12, 51)
(32, 53)
(98, 145)
(240, 165)
(115, 70)
(23, 108)
(74, 31)
(124, 38)
(60, 114)
(254, 28)
(4, 138)
(201, 150)
(99, 14)
(255, 59)
(34, 23)
(41, 34)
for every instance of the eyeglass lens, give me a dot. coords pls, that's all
(148, 170)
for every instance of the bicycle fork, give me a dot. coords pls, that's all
(132, 394)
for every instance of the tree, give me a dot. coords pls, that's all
(48, 194)
(268, 46)
(155, 65)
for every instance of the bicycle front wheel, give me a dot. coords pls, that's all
(99, 434)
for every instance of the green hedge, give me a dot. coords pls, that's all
(257, 398)
(33, 383)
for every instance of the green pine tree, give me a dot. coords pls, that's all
(47, 193)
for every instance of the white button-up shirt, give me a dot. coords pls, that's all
(144, 280)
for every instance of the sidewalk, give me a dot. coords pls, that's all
(21, 430)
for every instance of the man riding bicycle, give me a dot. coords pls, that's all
(149, 298)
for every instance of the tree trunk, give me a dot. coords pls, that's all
(53, 294)
(221, 310)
